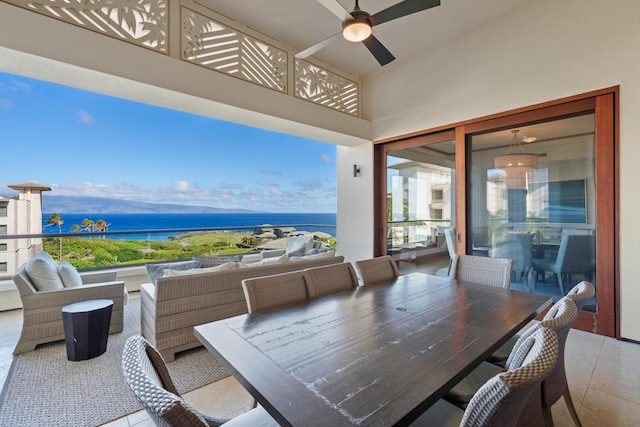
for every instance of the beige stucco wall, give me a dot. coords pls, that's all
(544, 51)
(355, 198)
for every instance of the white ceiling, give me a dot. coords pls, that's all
(302, 23)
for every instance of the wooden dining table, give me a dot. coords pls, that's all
(379, 355)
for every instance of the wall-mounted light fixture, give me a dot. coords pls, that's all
(356, 170)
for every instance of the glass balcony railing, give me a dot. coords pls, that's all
(415, 232)
(104, 249)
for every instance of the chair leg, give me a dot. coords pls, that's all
(572, 409)
(548, 418)
(560, 283)
(530, 280)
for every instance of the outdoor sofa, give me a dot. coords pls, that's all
(174, 305)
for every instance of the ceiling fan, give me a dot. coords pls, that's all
(357, 25)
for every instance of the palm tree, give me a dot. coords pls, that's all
(101, 225)
(55, 219)
(75, 228)
(87, 225)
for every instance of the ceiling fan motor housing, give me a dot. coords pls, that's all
(359, 16)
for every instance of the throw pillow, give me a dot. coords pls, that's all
(222, 267)
(299, 245)
(43, 272)
(69, 275)
(297, 252)
(157, 270)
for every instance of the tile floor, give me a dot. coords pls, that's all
(602, 372)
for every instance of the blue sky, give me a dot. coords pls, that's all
(86, 144)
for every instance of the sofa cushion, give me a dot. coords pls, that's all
(43, 272)
(69, 275)
(213, 260)
(156, 271)
(252, 257)
(328, 254)
(222, 267)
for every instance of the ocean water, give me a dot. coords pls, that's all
(147, 222)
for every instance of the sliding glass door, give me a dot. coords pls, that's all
(536, 185)
(420, 203)
(532, 199)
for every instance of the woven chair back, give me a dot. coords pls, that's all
(581, 293)
(378, 269)
(275, 291)
(482, 270)
(148, 377)
(501, 400)
(329, 279)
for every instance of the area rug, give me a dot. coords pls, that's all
(43, 388)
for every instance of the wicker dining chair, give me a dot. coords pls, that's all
(378, 269)
(504, 399)
(555, 386)
(147, 375)
(275, 291)
(580, 294)
(559, 319)
(482, 270)
(328, 279)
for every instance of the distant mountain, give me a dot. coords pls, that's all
(100, 205)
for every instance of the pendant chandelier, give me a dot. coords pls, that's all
(516, 163)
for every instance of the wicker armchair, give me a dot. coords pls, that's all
(378, 269)
(482, 270)
(42, 310)
(146, 373)
(329, 279)
(506, 398)
(271, 292)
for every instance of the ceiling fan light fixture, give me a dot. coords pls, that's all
(358, 28)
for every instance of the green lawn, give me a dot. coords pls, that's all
(83, 252)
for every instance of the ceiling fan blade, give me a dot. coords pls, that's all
(401, 9)
(336, 8)
(382, 55)
(320, 45)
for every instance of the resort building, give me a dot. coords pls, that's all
(532, 105)
(18, 215)
(21, 215)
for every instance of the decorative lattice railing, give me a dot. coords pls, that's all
(210, 44)
(207, 42)
(142, 22)
(323, 87)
